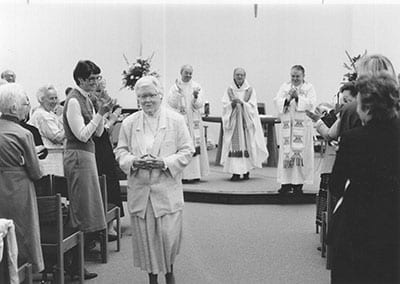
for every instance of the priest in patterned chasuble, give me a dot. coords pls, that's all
(296, 152)
(186, 97)
(244, 146)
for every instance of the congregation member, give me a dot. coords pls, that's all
(19, 168)
(105, 158)
(153, 149)
(40, 148)
(45, 119)
(296, 151)
(186, 97)
(50, 128)
(371, 64)
(364, 233)
(244, 146)
(9, 76)
(348, 95)
(81, 122)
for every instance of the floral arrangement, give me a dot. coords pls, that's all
(141, 67)
(351, 75)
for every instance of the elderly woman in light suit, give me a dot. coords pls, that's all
(153, 149)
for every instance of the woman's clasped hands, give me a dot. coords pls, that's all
(148, 161)
(233, 98)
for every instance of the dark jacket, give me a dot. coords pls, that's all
(364, 232)
(349, 118)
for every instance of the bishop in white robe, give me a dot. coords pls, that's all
(244, 146)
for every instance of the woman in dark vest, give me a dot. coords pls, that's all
(81, 123)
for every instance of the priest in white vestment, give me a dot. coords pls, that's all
(186, 97)
(244, 146)
(296, 151)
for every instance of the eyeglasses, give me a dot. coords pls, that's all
(94, 78)
(147, 96)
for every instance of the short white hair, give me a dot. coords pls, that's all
(151, 81)
(186, 66)
(11, 94)
(44, 91)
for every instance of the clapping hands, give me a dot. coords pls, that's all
(293, 94)
(314, 116)
(105, 105)
(196, 92)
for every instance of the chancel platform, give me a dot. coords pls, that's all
(261, 188)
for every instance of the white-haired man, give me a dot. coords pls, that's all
(50, 127)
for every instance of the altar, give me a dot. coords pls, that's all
(268, 124)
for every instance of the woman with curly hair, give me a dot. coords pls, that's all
(365, 228)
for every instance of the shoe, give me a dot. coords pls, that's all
(86, 275)
(235, 177)
(112, 238)
(89, 275)
(90, 245)
(285, 189)
(298, 189)
(190, 181)
(246, 176)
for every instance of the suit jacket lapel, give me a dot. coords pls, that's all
(155, 150)
(139, 135)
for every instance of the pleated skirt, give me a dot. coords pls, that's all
(156, 241)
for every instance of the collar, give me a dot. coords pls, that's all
(10, 118)
(244, 86)
(161, 114)
(83, 92)
(156, 114)
(184, 83)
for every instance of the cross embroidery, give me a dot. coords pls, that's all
(297, 139)
(286, 125)
(298, 123)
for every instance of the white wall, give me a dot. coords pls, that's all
(42, 43)
(216, 39)
(376, 29)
